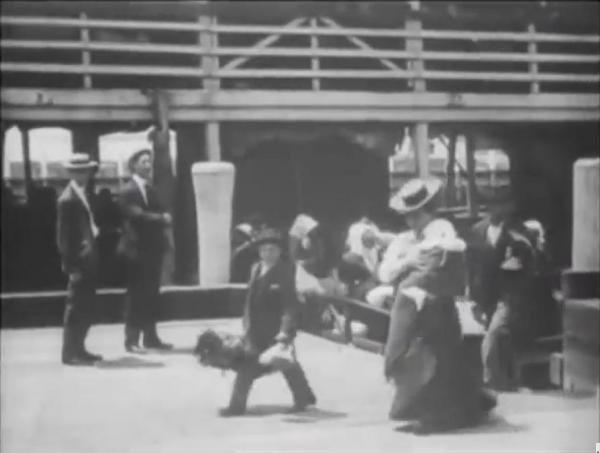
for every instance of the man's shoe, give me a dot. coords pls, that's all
(158, 345)
(300, 406)
(90, 356)
(78, 361)
(231, 412)
(134, 349)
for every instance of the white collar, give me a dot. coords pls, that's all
(79, 190)
(141, 182)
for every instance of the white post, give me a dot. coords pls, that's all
(213, 188)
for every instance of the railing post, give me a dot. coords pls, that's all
(210, 65)
(533, 66)
(420, 132)
(85, 54)
(314, 62)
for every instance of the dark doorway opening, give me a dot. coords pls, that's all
(328, 177)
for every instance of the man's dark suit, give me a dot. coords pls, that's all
(503, 296)
(142, 245)
(271, 308)
(75, 240)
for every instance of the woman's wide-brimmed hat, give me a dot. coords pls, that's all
(80, 161)
(268, 236)
(415, 194)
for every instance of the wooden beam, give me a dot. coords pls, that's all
(450, 171)
(85, 54)
(25, 143)
(472, 198)
(262, 44)
(261, 29)
(533, 67)
(213, 141)
(421, 144)
(132, 99)
(300, 52)
(57, 115)
(359, 42)
(209, 64)
(314, 61)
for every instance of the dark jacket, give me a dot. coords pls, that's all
(74, 236)
(143, 224)
(271, 306)
(487, 281)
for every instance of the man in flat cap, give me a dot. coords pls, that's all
(142, 245)
(76, 235)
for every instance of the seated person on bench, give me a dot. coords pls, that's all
(359, 266)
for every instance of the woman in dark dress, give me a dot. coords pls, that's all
(424, 355)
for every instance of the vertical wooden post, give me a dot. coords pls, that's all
(210, 65)
(533, 66)
(472, 199)
(421, 146)
(26, 162)
(164, 180)
(314, 62)
(414, 44)
(85, 54)
(450, 171)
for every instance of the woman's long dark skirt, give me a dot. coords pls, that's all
(453, 397)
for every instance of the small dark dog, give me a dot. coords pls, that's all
(220, 350)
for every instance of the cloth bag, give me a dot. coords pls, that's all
(279, 357)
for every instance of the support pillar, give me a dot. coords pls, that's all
(27, 179)
(213, 141)
(213, 188)
(164, 178)
(86, 140)
(421, 143)
(472, 198)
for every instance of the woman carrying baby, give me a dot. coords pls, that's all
(423, 355)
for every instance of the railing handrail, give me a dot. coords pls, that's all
(408, 61)
(262, 29)
(329, 52)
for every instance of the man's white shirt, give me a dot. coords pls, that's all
(141, 183)
(81, 194)
(493, 233)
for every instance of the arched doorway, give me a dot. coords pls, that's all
(328, 177)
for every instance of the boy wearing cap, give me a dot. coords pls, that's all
(76, 235)
(270, 317)
(143, 245)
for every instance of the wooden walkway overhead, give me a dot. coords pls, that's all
(309, 69)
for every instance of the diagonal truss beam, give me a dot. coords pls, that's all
(263, 43)
(360, 43)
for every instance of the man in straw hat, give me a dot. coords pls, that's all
(143, 245)
(423, 353)
(270, 318)
(76, 235)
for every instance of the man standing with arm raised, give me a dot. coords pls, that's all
(143, 245)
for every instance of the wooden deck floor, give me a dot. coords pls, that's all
(168, 403)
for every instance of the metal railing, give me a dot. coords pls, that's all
(203, 55)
